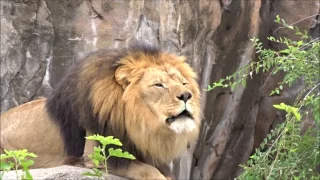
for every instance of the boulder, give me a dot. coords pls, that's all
(59, 173)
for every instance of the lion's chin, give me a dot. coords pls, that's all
(182, 125)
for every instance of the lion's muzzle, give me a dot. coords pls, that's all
(183, 115)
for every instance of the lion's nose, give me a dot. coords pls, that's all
(185, 96)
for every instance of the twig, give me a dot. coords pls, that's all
(296, 22)
(268, 77)
(274, 161)
(310, 92)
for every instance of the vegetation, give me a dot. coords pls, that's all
(99, 156)
(285, 153)
(16, 160)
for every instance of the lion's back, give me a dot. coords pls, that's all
(28, 126)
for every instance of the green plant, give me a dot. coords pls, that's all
(15, 160)
(99, 155)
(298, 59)
(285, 153)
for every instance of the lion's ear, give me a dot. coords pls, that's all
(121, 75)
(181, 58)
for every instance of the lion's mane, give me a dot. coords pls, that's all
(90, 98)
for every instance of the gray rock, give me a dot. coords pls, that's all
(59, 173)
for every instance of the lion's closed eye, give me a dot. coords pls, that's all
(158, 85)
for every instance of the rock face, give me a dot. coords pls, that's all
(61, 172)
(40, 39)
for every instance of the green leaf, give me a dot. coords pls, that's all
(272, 93)
(105, 140)
(286, 51)
(32, 155)
(281, 87)
(271, 38)
(9, 153)
(289, 109)
(88, 173)
(26, 163)
(96, 157)
(278, 106)
(233, 86)
(209, 88)
(114, 141)
(95, 162)
(257, 70)
(244, 82)
(296, 114)
(6, 166)
(316, 115)
(97, 149)
(290, 27)
(96, 173)
(118, 153)
(269, 136)
(4, 156)
(27, 175)
(277, 18)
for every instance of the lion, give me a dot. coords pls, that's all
(146, 97)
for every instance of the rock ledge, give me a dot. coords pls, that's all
(61, 172)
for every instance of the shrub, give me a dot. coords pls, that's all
(15, 160)
(99, 156)
(289, 155)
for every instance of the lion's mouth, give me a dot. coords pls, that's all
(183, 114)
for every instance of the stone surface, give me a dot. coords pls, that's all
(40, 39)
(59, 173)
(27, 35)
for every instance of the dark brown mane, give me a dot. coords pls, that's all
(71, 104)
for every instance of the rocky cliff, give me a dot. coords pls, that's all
(40, 39)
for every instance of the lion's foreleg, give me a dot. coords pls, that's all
(83, 161)
(88, 149)
(139, 171)
(165, 170)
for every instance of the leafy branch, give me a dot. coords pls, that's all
(15, 160)
(285, 153)
(99, 155)
(290, 154)
(298, 60)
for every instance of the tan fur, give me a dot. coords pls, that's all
(134, 104)
(29, 127)
(138, 171)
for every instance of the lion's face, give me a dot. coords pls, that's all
(163, 93)
(168, 94)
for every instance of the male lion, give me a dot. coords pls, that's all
(147, 98)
